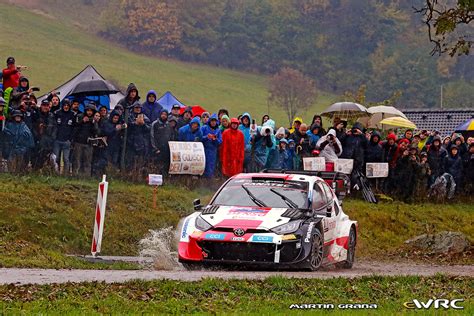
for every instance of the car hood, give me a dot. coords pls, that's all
(245, 217)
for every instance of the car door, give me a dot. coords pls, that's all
(329, 222)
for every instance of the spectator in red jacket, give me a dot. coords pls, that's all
(11, 74)
(233, 147)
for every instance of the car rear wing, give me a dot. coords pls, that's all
(339, 182)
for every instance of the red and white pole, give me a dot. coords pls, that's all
(99, 216)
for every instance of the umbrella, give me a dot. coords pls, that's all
(466, 126)
(197, 110)
(347, 110)
(379, 113)
(95, 87)
(398, 122)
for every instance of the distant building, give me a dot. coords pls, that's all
(443, 121)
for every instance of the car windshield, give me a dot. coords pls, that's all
(264, 192)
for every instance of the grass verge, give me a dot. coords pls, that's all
(215, 296)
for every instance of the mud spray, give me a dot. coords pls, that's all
(162, 246)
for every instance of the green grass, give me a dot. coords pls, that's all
(55, 51)
(44, 218)
(272, 296)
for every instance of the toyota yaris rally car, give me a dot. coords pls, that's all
(279, 219)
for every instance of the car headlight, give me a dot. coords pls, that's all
(287, 228)
(202, 225)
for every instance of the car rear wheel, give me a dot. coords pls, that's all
(349, 262)
(316, 250)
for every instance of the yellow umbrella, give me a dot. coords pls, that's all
(398, 122)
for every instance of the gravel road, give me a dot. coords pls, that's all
(46, 276)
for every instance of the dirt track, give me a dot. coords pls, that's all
(45, 276)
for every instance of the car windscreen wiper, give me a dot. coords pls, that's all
(287, 200)
(253, 197)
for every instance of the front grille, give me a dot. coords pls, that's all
(247, 231)
(239, 251)
(289, 252)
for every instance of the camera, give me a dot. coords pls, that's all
(97, 142)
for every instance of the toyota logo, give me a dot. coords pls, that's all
(239, 232)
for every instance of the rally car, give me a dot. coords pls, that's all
(282, 219)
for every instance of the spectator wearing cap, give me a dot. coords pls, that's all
(186, 117)
(19, 141)
(65, 120)
(175, 111)
(138, 141)
(454, 166)
(84, 130)
(436, 155)
(11, 74)
(151, 108)
(44, 133)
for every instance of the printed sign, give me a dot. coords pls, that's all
(187, 158)
(344, 165)
(376, 169)
(314, 164)
(155, 179)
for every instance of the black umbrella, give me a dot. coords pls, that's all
(95, 87)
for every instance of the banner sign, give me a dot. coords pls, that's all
(187, 158)
(376, 169)
(314, 164)
(344, 165)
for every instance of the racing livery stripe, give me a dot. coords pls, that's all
(341, 241)
(239, 223)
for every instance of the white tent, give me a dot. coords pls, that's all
(89, 73)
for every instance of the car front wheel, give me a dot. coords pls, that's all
(316, 250)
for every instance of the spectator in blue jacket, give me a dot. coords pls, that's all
(244, 127)
(151, 108)
(191, 132)
(19, 140)
(211, 139)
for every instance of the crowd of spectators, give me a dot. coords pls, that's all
(135, 136)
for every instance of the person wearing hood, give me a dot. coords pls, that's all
(389, 147)
(138, 141)
(53, 98)
(23, 89)
(446, 142)
(65, 120)
(205, 118)
(191, 132)
(85, 128)
(468, 165)
(173, 128)
(407, 171)
(131, 97)
(211, 139)
(330, 147)
(374, 151)
(355, 146)
(186, 118)
(279, 135)
(44, 133)
(151, 108)
(279, 158)
(340, 127)
(314, 134)
(296, 125)
(18, 142)
(454, 166)
(458, 140)
(245, 127)
(11, 75)
(113, 129)
(317, 119)
(233, 149)
(436, 155)
(224, 123)
(160, 134)
(262, 144)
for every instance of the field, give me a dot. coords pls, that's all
(272, 296)
(55, 51)
(42, 219)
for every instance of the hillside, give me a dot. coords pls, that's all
(55, 51)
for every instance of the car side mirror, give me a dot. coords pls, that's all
(197, 205)
(329, 211)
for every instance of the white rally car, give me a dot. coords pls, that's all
(287, 219)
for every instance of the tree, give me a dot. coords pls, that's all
(292, 91)
(443, 20)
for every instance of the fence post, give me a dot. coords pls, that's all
(99, 216)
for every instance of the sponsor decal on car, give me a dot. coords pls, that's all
(214, 236)
(261, 238)
(247, 212)
(184, 232)
(308, 233)
(238, 239)
(288, 237)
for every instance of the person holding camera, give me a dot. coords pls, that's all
(65, 121)
(18, 93)
(262, 143)
(138, 141)
(302, 143)
(82, 149)
(44, 132)
(11, 75)
(329, 146)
